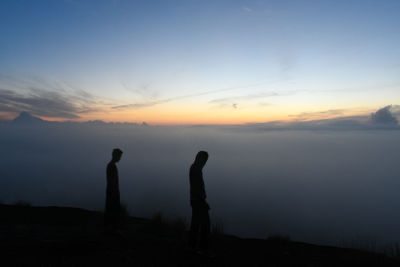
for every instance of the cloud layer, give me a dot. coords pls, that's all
(315, 186)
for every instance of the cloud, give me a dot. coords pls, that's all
(149, 103)
(384, 116)
(245, 97)
(335, 120)
(247, 9)
(229, 101)
(335, 124)
(395, 110)
(296, 178)
(41, 97)
(140, 105)
(41, 103)
(264, 104)
(313, 115)
(143, 90)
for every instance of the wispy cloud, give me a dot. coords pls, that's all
(229, 101)
(318, 114)
(150, 103)
(333, 114)
(45, 98)
(337, 119)
(144, 90)
(245, 97)
(140, 104)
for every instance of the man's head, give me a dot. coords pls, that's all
(116, 154)
(201, 158)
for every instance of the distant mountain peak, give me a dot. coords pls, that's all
(25, 117)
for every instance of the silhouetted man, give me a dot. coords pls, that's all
(200, 224)
(112, 212)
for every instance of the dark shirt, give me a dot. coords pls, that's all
(197, 191)
(112, 179)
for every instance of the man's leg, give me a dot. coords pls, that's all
(112, 213)
(204, 229)
(107, 214)
(117, 220)
(116, 210)
(194, 227)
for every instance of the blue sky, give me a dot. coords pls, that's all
(200, 61)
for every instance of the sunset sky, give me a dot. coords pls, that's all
(190, 62)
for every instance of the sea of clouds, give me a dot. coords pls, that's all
(324, 182)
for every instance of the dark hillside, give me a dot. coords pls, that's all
(60, 236)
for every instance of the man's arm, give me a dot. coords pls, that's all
(197, 191)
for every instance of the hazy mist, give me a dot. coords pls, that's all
(324, 186)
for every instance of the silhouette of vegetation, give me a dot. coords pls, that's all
(279, 238)
(392, 250)
(178, 225)
(370, 244)
(217, 228)
(362, 243)
(22, 203)
(162, 226)
(124, 213)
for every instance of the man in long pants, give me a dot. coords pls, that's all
(200, 224)
(112, 210)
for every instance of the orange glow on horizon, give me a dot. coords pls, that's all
(178, 116)
(190, 114)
